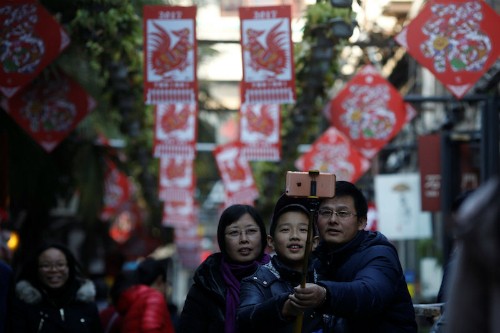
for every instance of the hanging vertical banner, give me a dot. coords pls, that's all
(176, 179)
(260, 128)
(180, 213)
(236, 174)
(332, 152)
(118, 190)
(369, 111)
(175, 130)
(50, 108)
(30, 40)
(429, 158)
(170, 53)
(267, 51)
(456, 40)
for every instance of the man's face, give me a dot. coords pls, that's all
(338, 222)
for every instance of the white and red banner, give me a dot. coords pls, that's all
(170, 54)
(369, 111)
(260, 128)
(456, 40)
(30, 40)
(332, 152)
(118, 190)
(181, 214)
(50, 108)
(236, 174)
(175, 130)
(267, 51)
(177, 181)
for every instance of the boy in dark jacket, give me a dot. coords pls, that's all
(264, 303)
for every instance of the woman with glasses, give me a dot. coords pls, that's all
(53, 296)
(212, 300)
(360, 270)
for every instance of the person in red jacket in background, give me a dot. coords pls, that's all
(143, 306)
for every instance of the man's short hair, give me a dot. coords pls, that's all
(344, 188)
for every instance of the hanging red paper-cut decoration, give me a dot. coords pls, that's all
(175, 130)
(127, 222)
(332, 152)
(180, 213)
(369, 111)
(30, 40)
(236, 174)
(267, 51)
(118, 190)
(170, 53)
(456, 40)
(50, 108)
(260, 126)
(177, 181)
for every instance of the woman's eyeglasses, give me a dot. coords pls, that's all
(58, 266)
(236, 233)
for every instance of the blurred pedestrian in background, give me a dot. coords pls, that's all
(442, 296)
(212, 300)
(53, 296)
(143, 305)
(473, 303)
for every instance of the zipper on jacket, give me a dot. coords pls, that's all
(61, 311)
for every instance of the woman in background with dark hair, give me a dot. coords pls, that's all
(143, 305)
(53, 296)
(212, 301)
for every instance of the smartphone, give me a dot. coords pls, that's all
(312, 183)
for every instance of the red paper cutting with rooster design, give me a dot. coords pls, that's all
(50, 108)
(457, 41)
(369, 111)
(177, 181)
(175, 130)
(183, 216)
(118, 190)
(236, 174)
(170, 52)
(260, 128)
(267, 51)
(30, 40)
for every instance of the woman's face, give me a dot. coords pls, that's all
(53, 268)
(243, 239)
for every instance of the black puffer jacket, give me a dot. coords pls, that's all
(34, 311)
(263, 295)
(205, 305)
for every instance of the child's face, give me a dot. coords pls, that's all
(289, 239)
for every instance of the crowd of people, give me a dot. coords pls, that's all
(326, 273)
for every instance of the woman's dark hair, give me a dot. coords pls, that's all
(232, 214)
(29, 270)
(123, 281)
(347, 189)
(149, 269)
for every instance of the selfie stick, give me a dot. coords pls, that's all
(297, 328)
